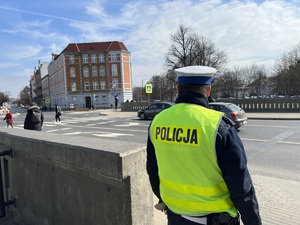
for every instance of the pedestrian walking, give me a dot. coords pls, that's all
(34, 118)
(57, 113)
(8, 118)
(196, 161)
(116, 102)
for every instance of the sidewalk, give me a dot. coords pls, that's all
(274, 116)
(279, 201)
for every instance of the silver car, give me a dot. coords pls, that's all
(232, 111)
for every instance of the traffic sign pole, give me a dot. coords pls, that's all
(148, 91)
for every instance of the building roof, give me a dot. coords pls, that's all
(95, 46)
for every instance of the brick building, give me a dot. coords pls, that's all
(90, 74)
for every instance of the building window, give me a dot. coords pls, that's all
(103, 85)
(114, 57)
(94, 58)
(85, 59)
(87, 86)
(74, 98)
(115, 84)
(72, 59)
(101, 58)
(114, 70)
(95, 85)
(72, 72)
(102, 71)
(94, 71)
(73, 86)
(86, 72)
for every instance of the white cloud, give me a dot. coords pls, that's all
(247, 32)
(16, 53)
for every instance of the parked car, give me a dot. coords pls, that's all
(152, 110)
(232, 111)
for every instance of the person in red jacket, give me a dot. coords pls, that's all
(8, 118)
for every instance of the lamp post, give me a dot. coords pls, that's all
(142, 87)
(143, 82)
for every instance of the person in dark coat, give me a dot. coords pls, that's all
(57, 113)
(34, 118)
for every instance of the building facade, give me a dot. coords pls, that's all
(36, 87)
(90, 75)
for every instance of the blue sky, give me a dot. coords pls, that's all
(248, 31)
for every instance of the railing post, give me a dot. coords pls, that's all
(2, 203)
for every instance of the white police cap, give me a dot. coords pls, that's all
(195, 74)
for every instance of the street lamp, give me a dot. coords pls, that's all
(143, 87)
(143, 82)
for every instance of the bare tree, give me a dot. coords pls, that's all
(188, 49)
(3, 98)
(171, 80)
(180, 53)
(207, 54)
(157, 87)
(164, 86)
(226, 84)
(286, 72)
(255, 79)
(240, 82)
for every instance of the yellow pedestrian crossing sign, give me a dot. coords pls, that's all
(47, 100)
(148, 88)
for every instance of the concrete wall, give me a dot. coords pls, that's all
(66, 180)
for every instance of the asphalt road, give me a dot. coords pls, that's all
(272, 147)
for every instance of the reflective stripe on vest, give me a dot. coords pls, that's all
(191, 182)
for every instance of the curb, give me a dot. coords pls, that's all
(269, 118)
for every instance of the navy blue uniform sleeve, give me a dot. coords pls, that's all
(233, 164)
(42, 118)
(152, 168)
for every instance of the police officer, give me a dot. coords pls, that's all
(196, 161)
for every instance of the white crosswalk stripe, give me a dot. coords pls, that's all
(112, 135)
(127, 125)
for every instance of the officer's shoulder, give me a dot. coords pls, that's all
(228, 121)
(225, 125)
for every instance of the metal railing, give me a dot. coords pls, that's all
(279, 105)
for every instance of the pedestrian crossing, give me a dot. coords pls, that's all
(93, 127)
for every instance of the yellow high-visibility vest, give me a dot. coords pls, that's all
(191, 181)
